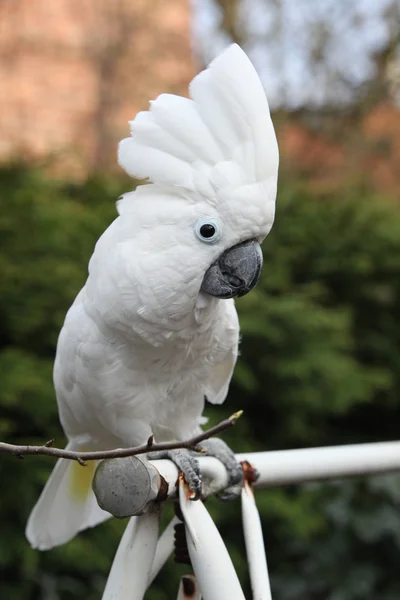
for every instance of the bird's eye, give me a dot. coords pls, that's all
(208, 229)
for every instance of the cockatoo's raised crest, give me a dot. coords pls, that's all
(219, 142)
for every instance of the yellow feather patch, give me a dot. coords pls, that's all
(80, 481)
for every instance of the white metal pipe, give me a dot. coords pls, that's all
(213, 473)
(275, 468)
(132, 563)
(165, 546)
(255, 550)
(211, 562)
(284, 467)
(131, 569)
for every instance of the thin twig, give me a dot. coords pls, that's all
(81, 457)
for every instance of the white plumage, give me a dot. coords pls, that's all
(142, 345)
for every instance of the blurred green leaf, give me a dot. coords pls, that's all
(319, 365)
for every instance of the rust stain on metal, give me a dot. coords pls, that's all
(190, 495)
(163, 491)
(248, 488)
(250, 474)
(189, 587)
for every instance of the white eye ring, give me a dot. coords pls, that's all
(208, 229)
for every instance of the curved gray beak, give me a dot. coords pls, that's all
(236, 272)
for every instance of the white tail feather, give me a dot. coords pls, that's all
(63, 509)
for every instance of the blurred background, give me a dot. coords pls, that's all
(320, 357)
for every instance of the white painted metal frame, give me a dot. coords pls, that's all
(141, 554)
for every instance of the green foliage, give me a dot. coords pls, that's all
(319, 365)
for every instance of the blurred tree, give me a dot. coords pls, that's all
(319, 365)
(312, 54)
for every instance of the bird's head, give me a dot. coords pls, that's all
(212, 161)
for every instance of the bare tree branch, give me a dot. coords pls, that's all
(81, 457)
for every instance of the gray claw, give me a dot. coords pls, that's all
(231, 493)
(187, 463)
(219, 449)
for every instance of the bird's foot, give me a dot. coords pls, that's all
(187, 463)
(219, 449)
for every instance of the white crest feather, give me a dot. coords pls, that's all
(222, 137)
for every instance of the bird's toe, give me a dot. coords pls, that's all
(219, 449)
(187, 463)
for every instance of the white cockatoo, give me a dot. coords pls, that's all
(154, 331)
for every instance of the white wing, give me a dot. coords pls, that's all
(217, 384)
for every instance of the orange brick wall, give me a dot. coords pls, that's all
(73, 72)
